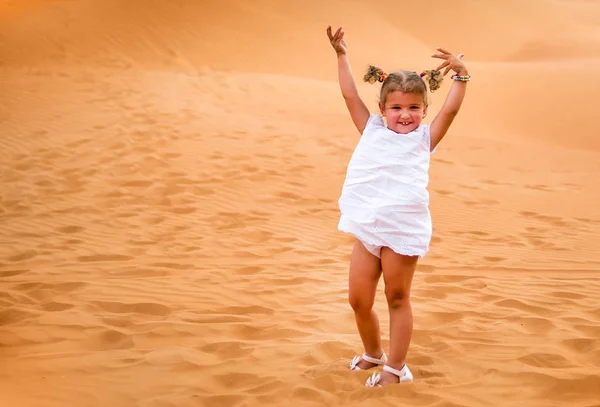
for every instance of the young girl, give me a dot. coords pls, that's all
(384, 201)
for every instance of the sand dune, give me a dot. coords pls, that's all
(169, 178)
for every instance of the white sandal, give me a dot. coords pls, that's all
(377, 362)
(404, 376)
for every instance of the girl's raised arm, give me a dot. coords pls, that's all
(358, 110)
(446, 115)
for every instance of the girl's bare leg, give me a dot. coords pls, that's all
(398, 271)
(365, 271)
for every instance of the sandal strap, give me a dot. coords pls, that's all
(376, 361)
(396, 372)
(354, 363)
(373, 381)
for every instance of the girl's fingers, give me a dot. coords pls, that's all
(460, 56)
(442, 65)
(440, 56)
(337, 33)
(329, 34)
(444, 51)
(447, 70)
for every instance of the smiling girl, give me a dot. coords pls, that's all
(384, 201)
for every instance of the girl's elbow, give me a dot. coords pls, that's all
(451, 112)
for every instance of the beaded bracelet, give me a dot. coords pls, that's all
(464, 78)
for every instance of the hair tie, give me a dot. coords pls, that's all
(375, 74)
(422, 74)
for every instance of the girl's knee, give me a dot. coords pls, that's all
(397, 298)
(360, 304)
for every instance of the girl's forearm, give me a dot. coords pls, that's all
(455, 96)
(347, 84)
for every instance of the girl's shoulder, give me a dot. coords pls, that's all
(375, 119)
(375, 122)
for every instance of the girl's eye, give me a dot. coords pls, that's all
(414, 107)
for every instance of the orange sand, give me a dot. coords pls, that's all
(169, 176)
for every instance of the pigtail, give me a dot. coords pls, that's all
(375, 74)
(433, 79)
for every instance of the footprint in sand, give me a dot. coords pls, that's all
(109, 339)
(540, 187)
(104, 257)
(14, 316)
(70, 229)
(147, 308)
(444, 192)
(54, 306)
(494, 259)
(24, 255)
(12, 273)
(552, 220)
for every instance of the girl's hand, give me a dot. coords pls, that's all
(451, 62)
(337, 40)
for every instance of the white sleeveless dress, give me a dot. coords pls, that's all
(384, 200)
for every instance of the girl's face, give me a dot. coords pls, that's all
(403, 111)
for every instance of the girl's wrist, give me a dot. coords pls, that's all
(462, 75)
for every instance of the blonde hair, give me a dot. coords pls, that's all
(404, 81)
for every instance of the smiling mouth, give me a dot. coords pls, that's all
(405, 123)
